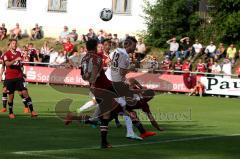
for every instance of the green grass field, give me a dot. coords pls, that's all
(208, 129)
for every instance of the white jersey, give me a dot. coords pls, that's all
(119, 60)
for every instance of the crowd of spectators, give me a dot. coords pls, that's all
(184, 55)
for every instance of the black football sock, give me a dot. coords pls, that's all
(24, 101)
(10, 105)
(4, 100)
(117, 122)
(104, 132)
(139, 126)
(29, 103)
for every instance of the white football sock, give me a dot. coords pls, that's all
(87, 106)
(129, 125)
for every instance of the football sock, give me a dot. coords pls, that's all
(4, 100)
(10, 105)
(129, 125)
(87, 106)
(137, 123)
(29, 103)
(24, 101)
(117, 122)
(104, 131)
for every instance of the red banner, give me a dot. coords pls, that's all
(160, 82)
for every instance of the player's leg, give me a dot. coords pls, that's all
(117, 122)
(129, 127)
(4, 99)
(11, 87)
(26, 109)
(87, 105)
(24, 92)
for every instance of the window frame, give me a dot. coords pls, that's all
(127, 13)
(56, 10)
(10, 6)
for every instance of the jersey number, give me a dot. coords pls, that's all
(115, 59)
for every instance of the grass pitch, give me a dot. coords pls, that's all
(196, 128)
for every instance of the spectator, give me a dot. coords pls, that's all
(231, 53)
(75, 60)
(178, 66)
(91, 35)
(198, 89)
(100, 48)
(186, 67)
(68, 47)
(45, 51)
(140, 49)
(166, 64)
(25, 55)
(211, 50)
(36, 33)
(115, 41)
(209, 65)
(39, 56)
(201, 67)
(63, 36)
(186, 47)
(238, 72)
(32, 53)
(73, 35)
(109, 36)
(197, 49)
(3, 29)
(16, 33)
(101, 36)
(216, 68)
(220, 53)
(53, 56)
(61, 58)
(227, 68)
(154, 64)
(174, 46)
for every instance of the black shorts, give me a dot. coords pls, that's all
(16, 84)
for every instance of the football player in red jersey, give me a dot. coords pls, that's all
(14, 77)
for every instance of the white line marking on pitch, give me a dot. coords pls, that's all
(39, 153)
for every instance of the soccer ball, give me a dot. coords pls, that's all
(106, 14)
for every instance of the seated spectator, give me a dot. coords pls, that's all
(109, 36)
(187, 66)
(211, 50)
(39, 56)
(210, 63)
(25, 55)
(90, 35)
(154, 63)
(198, 89)
(197, 49)
(140, 49)
(101, 36)
(16, 33)
(74, 35)
(231, 53)
(100, 48)
(45, 51)
(75, 60)
(201, 66)
(220, 52)
(177, 66)
(36, 33)
(174, 46)
(68, 47)
(32, 53)
(115, 41)
(3, 31)
(61, 58)
(64, 35)
(166, 65)
(186, 48)
(227, 68)
(216, 68)
(53, 56)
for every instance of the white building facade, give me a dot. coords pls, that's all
(52, 15)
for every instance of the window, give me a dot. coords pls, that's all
(57, 5)
(17, 4)
(122, 6)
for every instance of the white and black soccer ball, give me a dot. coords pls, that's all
(106, 14)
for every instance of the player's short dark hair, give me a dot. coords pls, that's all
(91, 44)
(131, 38)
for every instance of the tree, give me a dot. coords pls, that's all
(167, 18)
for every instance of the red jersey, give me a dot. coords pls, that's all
(166, 64)
(238, 71)
(68, 47)
(15, 70)
(201, 67)
(186, 67)
(209, 66)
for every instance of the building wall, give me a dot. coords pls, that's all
(81, 14)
